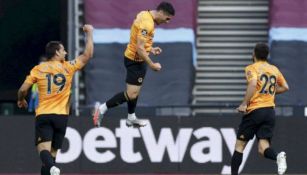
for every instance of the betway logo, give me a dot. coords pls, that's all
(157, 147)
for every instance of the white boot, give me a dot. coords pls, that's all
(281, 163)
(54, 171)
(132, 120)
(98, 114)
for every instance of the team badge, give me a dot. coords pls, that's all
(249, 74)
(144, 32)
(140, 80)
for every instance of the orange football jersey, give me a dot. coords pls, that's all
(268, 77)
(143, 28)
(54, 85)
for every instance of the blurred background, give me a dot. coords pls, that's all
(190, 103)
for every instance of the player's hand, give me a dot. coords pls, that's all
(88, 28)
(156, 50)
(22, 103)
(156, 66)
(242, 108)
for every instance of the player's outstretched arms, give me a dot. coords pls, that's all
(21, 95)
(89, 46)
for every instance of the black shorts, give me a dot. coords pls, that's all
(136, 72)
(50, 127)
(259, 122)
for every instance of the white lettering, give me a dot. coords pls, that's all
(126, 136)
(230, 139)
(175, 148)
(214, 144)
(99, 142)
(74, 147)
(91, 144)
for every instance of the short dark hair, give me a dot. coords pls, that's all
(166, 7)
(51, 48)
(261, 51)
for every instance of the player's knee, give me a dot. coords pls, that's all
(239, 148)
(132, 95)
(53, 152)
(44, 146)
(260, 150)
(240, 145)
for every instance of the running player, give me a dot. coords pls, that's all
(53, 78)
(264, 81)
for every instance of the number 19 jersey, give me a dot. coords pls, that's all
(53, 79)
(268, 77)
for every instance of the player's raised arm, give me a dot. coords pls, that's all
(89, 46)
(144, 55)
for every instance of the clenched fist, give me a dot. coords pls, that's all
(88, 28)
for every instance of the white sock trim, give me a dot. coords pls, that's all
(103, 108)
(132, 116)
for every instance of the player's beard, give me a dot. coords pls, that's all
(65, 57)
(157, 22)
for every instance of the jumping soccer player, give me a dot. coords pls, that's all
(136, 61)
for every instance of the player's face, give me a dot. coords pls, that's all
(62, 53)
(163, 18)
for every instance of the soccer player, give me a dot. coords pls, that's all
(53, 78)
(136, 61)
(263, 82)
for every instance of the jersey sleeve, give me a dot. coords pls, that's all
(73, 65)
(32, 77)
(281, 79)
(144, 29)
(250, 73)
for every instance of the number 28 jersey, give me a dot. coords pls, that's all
(53, 79)
(268, 77)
